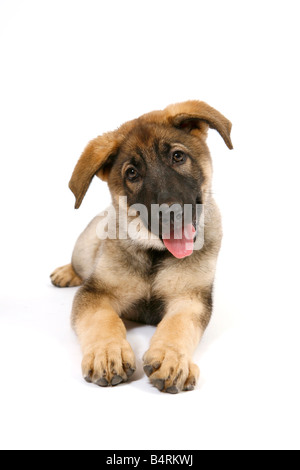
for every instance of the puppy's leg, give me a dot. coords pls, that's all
(168, 362)
(107, 356)
(65, 277)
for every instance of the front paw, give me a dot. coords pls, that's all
(108, 363)
(169, 370)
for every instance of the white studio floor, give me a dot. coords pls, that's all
(247, 396)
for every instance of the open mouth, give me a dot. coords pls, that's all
(176, 226)
(180, 240)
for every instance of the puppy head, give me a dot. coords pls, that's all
(160, 158)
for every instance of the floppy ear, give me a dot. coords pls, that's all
(94, 161)
(192, 115)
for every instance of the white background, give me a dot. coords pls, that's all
(71, 70)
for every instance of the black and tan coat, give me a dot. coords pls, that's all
(160, 158)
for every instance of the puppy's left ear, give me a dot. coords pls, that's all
(95, 160)
(196, 117)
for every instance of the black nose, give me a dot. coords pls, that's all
(171, 208)
(167, 198)
(171, 213)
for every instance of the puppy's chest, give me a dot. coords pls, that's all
(146, 310)
(149, 307)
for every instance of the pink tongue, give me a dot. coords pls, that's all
(181, 244)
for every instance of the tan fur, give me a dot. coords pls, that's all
(107, 356)
(87, 247)
(168, 361)
(122, 277)
(65, 277)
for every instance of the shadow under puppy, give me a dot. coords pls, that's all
(158, 160)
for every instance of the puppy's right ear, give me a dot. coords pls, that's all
(94, 161)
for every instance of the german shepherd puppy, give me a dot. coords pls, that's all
(158, 160)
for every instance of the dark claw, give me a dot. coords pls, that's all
(88, 378)
(129, 372)
(172, 390)
(116, 380)
(148, 370)
(159, 383)
(189, 388)
(102, 382)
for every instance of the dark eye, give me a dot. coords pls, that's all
(179, 157)
(131, 174)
